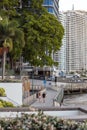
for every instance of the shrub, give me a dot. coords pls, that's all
(41, 122)
(2, 92)
(6, 104)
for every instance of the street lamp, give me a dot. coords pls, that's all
(21, 64)
(32, 81)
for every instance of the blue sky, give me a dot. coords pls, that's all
(67, 5)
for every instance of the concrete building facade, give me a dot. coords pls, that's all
(62, 53)
(74, 41)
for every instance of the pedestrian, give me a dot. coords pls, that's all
(39, 96)
(55, 81)
(44, 82)
(44, 96)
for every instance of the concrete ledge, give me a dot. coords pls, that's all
(59, 97)
(30, 109)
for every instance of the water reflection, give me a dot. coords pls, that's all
(75, 100)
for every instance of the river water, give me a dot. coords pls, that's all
(75, 100)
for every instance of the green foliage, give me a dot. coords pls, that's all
(1, 105)
(18, 44)
(43, 33)
(11, 36)
(2, 92)
(7, 7)
(2, 102)
(5, 103)
(36, 7)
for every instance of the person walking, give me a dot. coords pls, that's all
(39, 96)
(44, 96)
(55, 81)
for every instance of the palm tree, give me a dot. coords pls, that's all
(8, 30)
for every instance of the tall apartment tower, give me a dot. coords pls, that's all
(61, 55)
(75, 40)
(52, 6)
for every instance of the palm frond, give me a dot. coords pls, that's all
(8, 43)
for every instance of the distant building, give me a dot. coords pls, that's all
(52, 6)
(60, 56)
(73, 53)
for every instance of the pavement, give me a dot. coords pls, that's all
(63, 112)
(50, 95)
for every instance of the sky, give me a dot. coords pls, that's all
(65, 5)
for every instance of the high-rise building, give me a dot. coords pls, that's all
(52, 6)
(75, 40)
(60, 56)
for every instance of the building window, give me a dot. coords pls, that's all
(48, 2)
(50, 9)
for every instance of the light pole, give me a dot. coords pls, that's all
(32, 81)
(21, 64)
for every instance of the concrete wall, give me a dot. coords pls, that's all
(32, 98)
(13, 91)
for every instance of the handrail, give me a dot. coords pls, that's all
(59, 97)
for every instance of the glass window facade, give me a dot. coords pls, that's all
(50, 9)
(52, 6)
(48, 2)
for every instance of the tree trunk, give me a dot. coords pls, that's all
(3, 64)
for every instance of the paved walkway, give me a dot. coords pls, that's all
(50, 95)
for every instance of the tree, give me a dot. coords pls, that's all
(43, 33)
(9, 38)
(7, 7)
